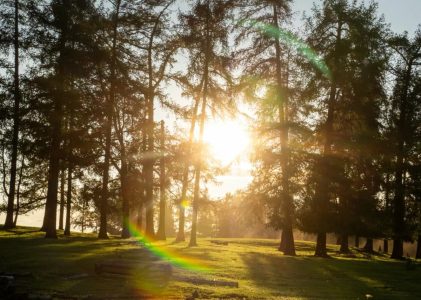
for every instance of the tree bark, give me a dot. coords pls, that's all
(386, 246)
(61, 214)
(149, 210)
(368, 247)
(142, 197)
(196, 192)
(22, 166)
(140, 217)
(16, 125)
(193, 233)
(125, 233)
(418, 254)
(287, 245)
(69, 198)
(181, 219)
(344, 243)
(282, 242)
(321, 250)
(69, 155)
(53, 173)
(161, 235)
(125, 186)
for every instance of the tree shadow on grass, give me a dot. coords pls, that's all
(67, 265)
(311, 277)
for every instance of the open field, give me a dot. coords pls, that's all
(65, 267)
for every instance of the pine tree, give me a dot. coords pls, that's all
(267, 60)
(206, 41)
(405, 106)
(345, 36)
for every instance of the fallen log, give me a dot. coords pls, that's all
(213, 282)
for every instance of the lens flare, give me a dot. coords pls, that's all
(292, 41)
(174, 258)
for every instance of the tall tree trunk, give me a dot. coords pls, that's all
(198, 169)
(399, 198)
(196, 197)
(16, 124)
(125, 233)
(150, 160)
(344, 243)
(149, 201)
(125, 186)
(142, 196)
(386, 246)
(161, 235)
(181, 219)
(70, 160)
(418, 254)
(53, 173)
(22, 166)
(140, 217)
(321, 250)
(399, 211)
(15, 220)
(69, 198)
(287, 247)
(338, 239)
(84, 205)
(368, 247)
(150, 98)
(108, 130)
(62, 183)
(387, 210)
(357, 241)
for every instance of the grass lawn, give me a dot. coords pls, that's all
(260, 270)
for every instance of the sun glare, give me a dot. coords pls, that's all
(228, 139)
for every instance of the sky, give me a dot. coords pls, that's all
(401, 14)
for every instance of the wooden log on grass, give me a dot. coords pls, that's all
(214, 282)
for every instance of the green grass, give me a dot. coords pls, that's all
(261, 271)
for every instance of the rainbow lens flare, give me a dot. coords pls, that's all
(174, 258)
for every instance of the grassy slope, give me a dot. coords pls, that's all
(262, 272)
